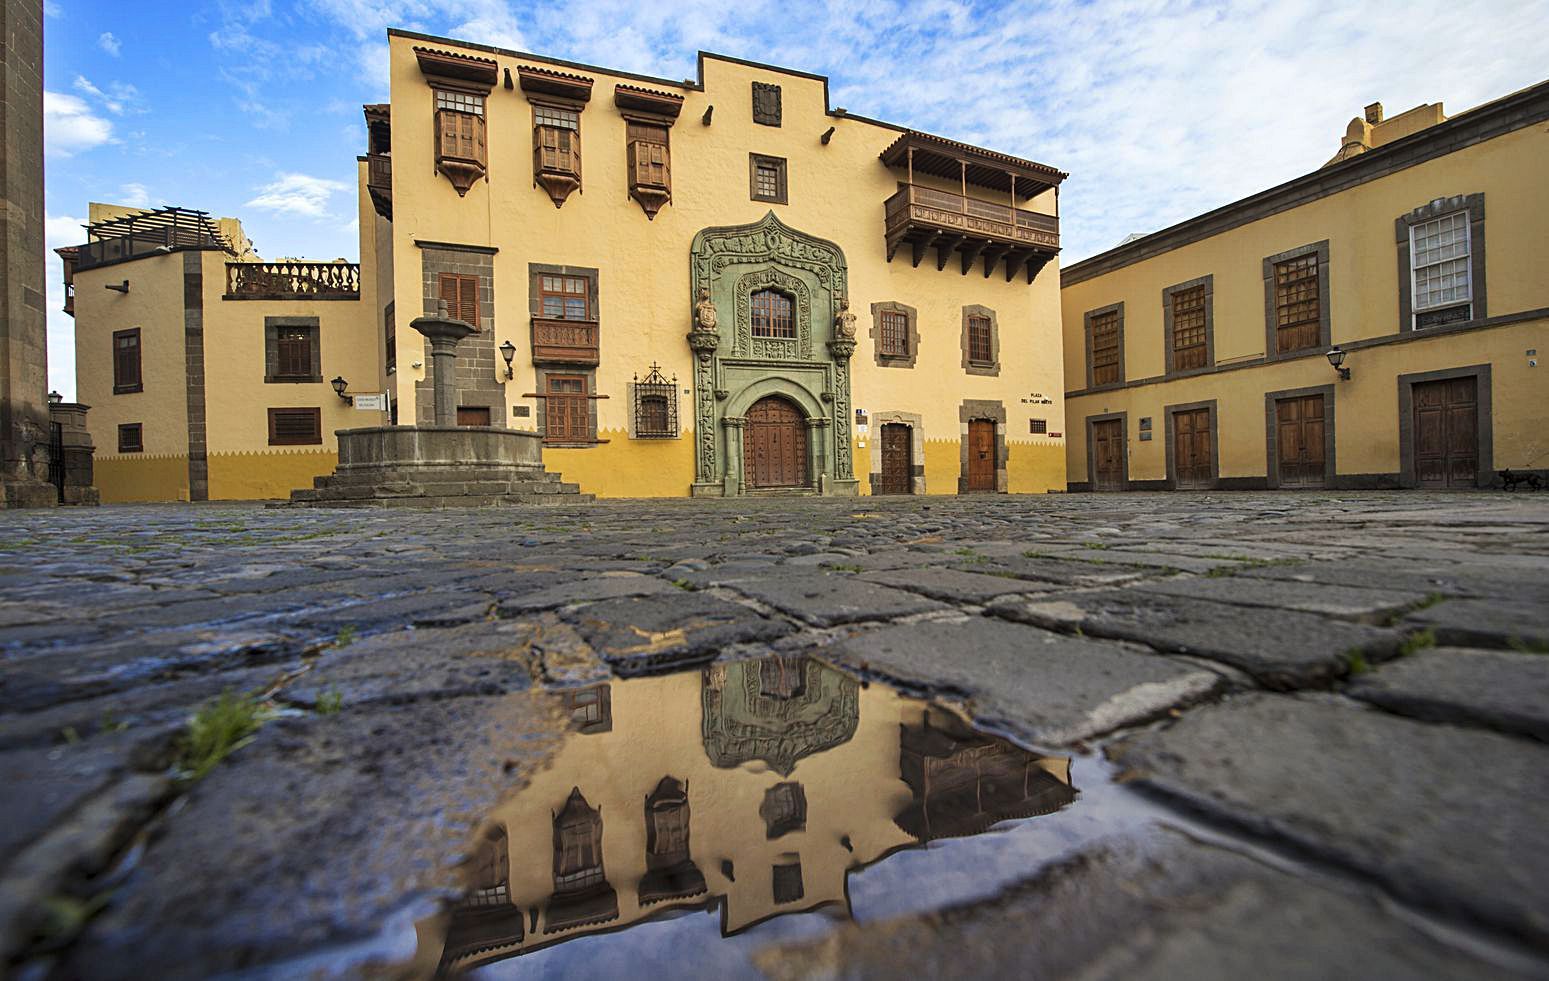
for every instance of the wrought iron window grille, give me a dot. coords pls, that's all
(656, 405)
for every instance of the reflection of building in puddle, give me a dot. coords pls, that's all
(788, 777)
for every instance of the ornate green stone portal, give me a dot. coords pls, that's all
(740, 360)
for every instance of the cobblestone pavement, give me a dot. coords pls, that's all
(1341, 701)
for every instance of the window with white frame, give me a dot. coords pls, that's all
(1440, 260)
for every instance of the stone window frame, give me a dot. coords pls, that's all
(1208, 282)
(782, 194)
(995, 411)
(1321, 249)
(1483, 421)
(1168, 411)
(535, 270)
(912, 316)
(989, 368)
(916, 424)
(478, 361)
(1091, 446)
(1086, 329)
(121, 387)
(126, 428)
(1473, 204)
(1272, 433)
(272, 326)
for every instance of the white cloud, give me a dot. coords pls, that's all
(297, 194)
(107, 42)
(60, 230)
(134, 195)
(70, 126)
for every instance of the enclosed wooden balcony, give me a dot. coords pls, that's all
(379, 183)
(919, 218)
(567, 342)
(292, 281)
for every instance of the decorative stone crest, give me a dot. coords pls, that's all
(844, 321)
(704, 311)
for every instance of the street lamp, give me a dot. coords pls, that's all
(339, 385)
(1336, 357)
(508, 351)
(54, 398)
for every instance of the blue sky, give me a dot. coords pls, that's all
(1159, 110)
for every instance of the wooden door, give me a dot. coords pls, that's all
(981, 455)
(775, 447)
(897, 459)
(1108, 455)
(1446, 433)
(1299, 456)
(1191, 449)
(473, 415)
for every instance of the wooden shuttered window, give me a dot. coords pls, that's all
(126, 361)
(648, 156)
(1297, 306)
(894, 339)
(461, 294)
(981, 349)
(295, 427)
(460, 122)
(567, 410)
(557, 141)
(1105, 348)
(293, 352)
(1188, 316)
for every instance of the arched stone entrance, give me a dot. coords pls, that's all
(772, 338)
(775, 444)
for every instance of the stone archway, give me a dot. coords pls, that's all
(743, 353)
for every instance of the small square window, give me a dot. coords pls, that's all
(295, 427)
(767, 178)
(1038, 427)
(787, 883)
(130, 438)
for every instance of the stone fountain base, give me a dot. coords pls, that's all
(438, 466)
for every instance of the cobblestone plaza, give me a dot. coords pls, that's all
(1305, 732)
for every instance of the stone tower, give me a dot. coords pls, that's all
(24, 422)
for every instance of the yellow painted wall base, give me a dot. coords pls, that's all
(121, 479)
(258, 476)
(624, 467)
(1035, 467)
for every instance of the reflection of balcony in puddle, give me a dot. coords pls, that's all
(964, 781)
(671, 873)
(582, 895)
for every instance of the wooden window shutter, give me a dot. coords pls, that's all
(548, 148)
(448, 133)
(468, 299)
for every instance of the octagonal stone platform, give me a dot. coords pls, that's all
(438, 466)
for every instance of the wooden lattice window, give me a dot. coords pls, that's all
(766, 178)
(557, 140)
(564, 297)
(1189, 342)
(293, 353)
(1297, 307)
(784, 809)
(787, 883)
(131, 438)
(1105, 348)
(648, 158)
(981, 348)
(577, 849)
(460, 126)
(295, 427)
(894, 339)
(489, 871)
(567, 410)
(390, 336)
(126, 361)
(461, 294)
(772, 315)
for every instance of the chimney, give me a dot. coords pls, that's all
(1374, 113)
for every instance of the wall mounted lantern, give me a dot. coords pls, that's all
(54, 398)
(508, 351)
(1336, 357)
(339, 385)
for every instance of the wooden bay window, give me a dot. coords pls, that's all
(648, 117)
(557, 101)
(460, 84)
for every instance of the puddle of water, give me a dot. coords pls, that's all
(694, 818)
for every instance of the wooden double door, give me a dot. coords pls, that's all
(1108, 455)
(1193, 463)
(1446, 433)
(1300, 459)
(981, 455)
(775, 445)
(897, 459)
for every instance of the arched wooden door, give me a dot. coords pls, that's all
(775, 447)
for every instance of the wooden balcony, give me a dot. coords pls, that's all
(924, 218)
(292, 281)
(567, 342)
(379, 183)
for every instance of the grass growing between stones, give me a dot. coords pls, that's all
(1248, 562)
(1417, 641)
(1528, 646)
(330, 702)
(217, 730)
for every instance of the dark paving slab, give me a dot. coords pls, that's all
(407, 665)
(954, 585)
(1164, 909)
(1503, 690)
(1434, 813)
(1281, 649)
(602, 587)
(673, 629)
(1343, 601)
(1050, 688)
(827, 599)
(1055, 570)
(1512, 624)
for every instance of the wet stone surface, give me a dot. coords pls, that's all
(1298, 735)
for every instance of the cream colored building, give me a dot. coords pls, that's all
(1199, 356)
(209, 371)
(881, 308)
